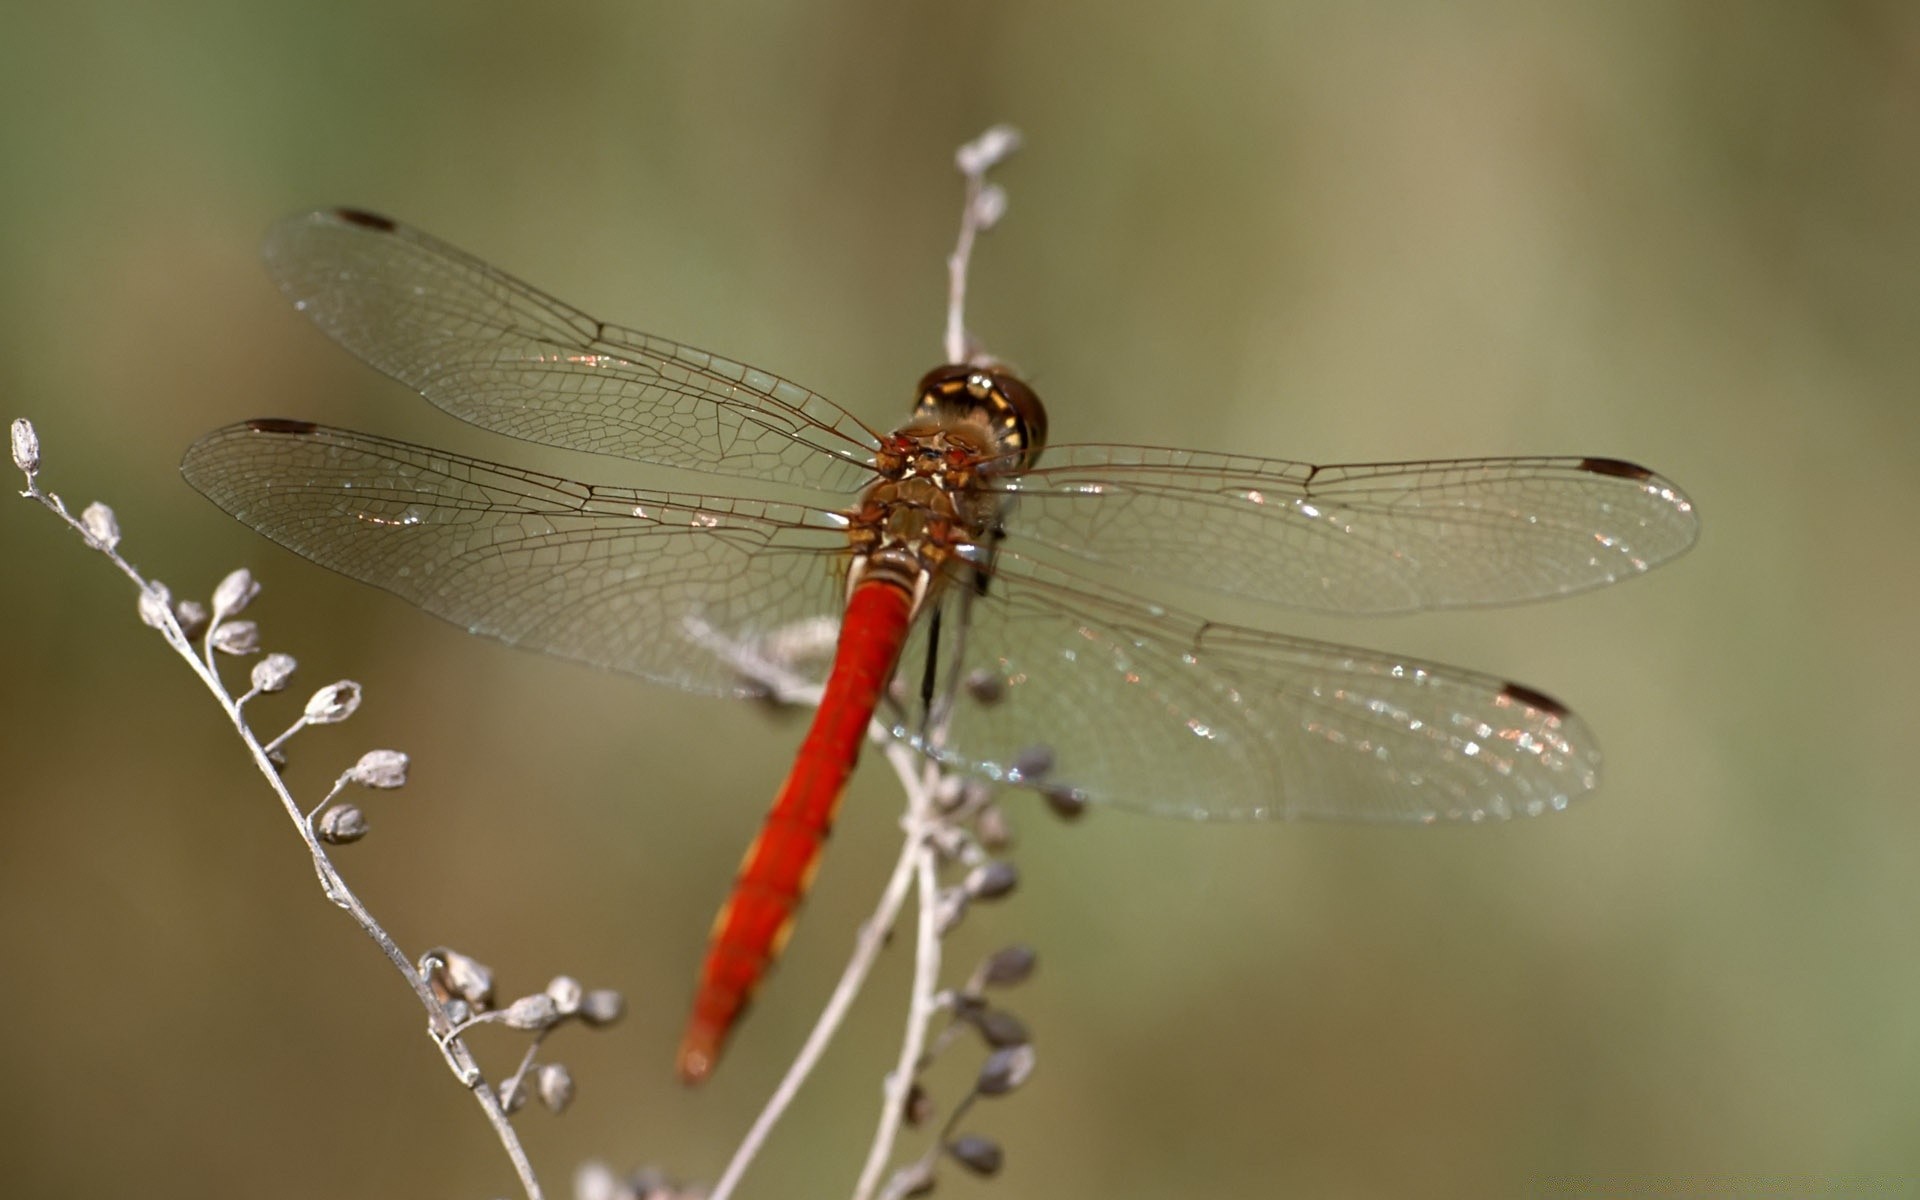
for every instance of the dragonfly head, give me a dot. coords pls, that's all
(986, 396)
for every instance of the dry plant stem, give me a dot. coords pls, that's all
(459, 1059)
(921, 1006)
(974, 159)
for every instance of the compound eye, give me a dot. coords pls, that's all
(1027, 416)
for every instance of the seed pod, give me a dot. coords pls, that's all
(26, 447)
(993, 828)
(554, 1083)
(919, 1107)
(602, 1006)
(530, 1012)
(987, 688)
(468, 978)
(1005, 1070)
(1001, 1029)
(271, 673)
(191, 616)
(335, 702)
(341, 824)
(566, 993)
(980, 1155)
(1008, 965)
(103, 530)
(380, 769)
(237, 638)
(1031, 764)
(992, 879)
(596, 1181)
(235, 592)
(155, 604)
(1067, 803)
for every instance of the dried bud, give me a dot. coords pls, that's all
(271, 673)
(1007, 966)
(597, 1181)
(1005, 1070)
(103, 529)
(914, 1179)
(1067, 803)
(602, 1006)
(468, 978)
(991, 880)
(985, 151)
(191, 616)
(26, 446)
(993, 827)
(566, 993)
(977, 1154)
(341, 824)
(335, 702)
(530, 1012)
(237, 638)
(989, 206)
(986, 687)
(1000, 1029)
(554, 1084)
(513, 1094)
(1031, 764)
(380, 769)
(235, 592)
(919, 1107)
(155, 602)
(949, 792)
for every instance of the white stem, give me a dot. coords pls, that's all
(920, 1007)
(977, 213)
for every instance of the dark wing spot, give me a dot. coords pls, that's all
(1532, 699)
(1618, 467)
(366, 220)
(280, 425)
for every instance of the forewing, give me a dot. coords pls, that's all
(655, 584)
(1363, 538)
(1148, 708)
(507, 357)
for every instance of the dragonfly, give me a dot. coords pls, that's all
(1049, 565)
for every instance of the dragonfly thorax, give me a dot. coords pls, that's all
(909, 528)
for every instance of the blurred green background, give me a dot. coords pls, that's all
(1685, 234)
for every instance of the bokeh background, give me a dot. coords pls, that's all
(1685, 234)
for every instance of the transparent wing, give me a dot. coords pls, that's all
(1147, 708)
(507, 357)
(1142, 706)
(629, 580)
(1362, 538)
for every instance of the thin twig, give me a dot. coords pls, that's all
(983, 206)
(157, 609)
(920, 1007)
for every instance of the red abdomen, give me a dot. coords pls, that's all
(752, 926)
